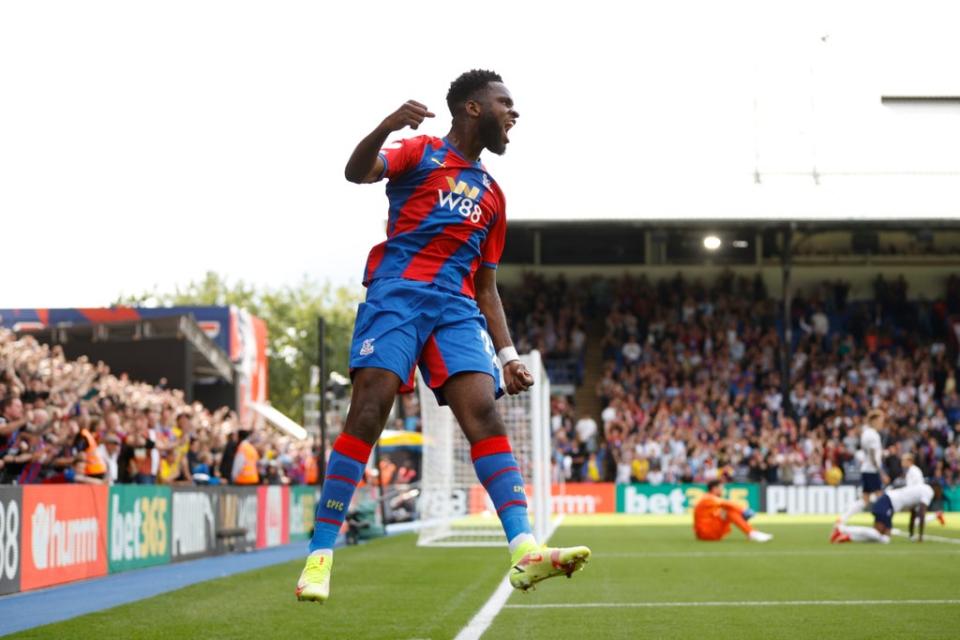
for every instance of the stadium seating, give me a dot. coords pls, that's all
(548, 315)
(691, 383)
(142, 433)
(689, 389)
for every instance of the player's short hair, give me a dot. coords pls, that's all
(873, 414)
(713, 483)
(467, 84)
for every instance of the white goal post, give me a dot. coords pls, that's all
(454, 507)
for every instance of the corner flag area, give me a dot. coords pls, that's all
(648, 578)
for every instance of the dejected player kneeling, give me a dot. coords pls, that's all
(914, 498)
(713, 516)
(432, 301)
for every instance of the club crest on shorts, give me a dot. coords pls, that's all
(367, 347)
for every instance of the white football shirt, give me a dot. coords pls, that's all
(910, 496)
(871, 445)
(914, 475)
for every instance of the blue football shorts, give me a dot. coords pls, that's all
(870, 481)
(404, 323)
(883, 511)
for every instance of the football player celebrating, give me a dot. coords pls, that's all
(432, 301)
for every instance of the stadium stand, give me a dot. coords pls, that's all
(548, 315)
(76, 421)
(690, 385)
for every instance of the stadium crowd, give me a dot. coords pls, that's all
(690, 391)
(691, 386)
(75, 421)
(548, 315)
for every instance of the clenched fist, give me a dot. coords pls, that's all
(516, 377)
(410, 114)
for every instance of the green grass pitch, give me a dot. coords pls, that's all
(648, 579)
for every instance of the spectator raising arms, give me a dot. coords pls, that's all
(75, 421)
(691, 388)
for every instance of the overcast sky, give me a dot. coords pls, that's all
(142, 144)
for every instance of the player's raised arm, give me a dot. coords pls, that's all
(365, 163)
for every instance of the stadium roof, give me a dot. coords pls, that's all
(758, 222)
(745, 240)
(206, 358)
(904, 198)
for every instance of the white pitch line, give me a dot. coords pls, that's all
(927, 536)
(743, 603)
(484, 618)
(941, 539)
(762, 554)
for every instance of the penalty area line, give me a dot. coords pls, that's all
(484, 618)
(741, 603)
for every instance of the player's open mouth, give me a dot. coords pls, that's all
(507, 127)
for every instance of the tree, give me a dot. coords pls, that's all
(290, 313)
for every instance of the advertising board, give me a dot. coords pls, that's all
(140, 524)
(679, 498)
(238, 510)
(194, 523)
(11, 524)
(64, 534)
(303, 505)
(273, 516)
(822, 499)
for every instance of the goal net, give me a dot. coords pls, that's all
(454, 507)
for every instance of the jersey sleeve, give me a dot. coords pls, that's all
(401, 156)
(493, 245)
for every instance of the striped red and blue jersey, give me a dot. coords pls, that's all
(447, 216)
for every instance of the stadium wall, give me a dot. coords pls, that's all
(53, 534)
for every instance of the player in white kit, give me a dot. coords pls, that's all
(911, 472)
(872, 477)
(915, 498)
(913, 475)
